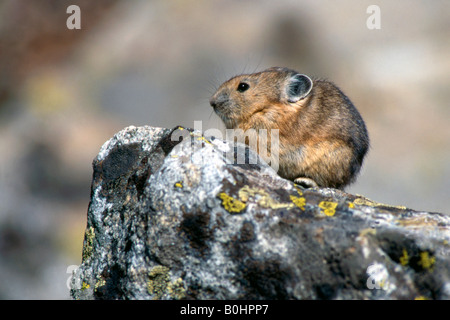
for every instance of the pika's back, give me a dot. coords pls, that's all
(322, 136)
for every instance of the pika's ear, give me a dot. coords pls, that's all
(299, 86)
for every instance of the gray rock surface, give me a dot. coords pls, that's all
(173, 218)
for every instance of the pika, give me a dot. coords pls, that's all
(322, 137)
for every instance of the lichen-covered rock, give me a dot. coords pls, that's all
(173, 215)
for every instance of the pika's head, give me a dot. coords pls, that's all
(259, 94)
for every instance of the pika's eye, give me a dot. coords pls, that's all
(243, 87)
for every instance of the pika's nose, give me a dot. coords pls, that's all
(213, 102)
(217, 100)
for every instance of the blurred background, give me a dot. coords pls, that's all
(63, 93)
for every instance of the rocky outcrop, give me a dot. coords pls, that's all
(174, 215)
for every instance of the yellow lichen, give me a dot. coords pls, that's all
(159, 284)
(100, 283)
(404, 259)
(231, 204)
(383, 283)
(263, 198)
(85, 286)
(300, 192)
(246, 192)
(426, 261)
(328, 207)
(88, 246)
(362, 201)
(176, 289)
(179, 184)
(203, 139)
(268, 202)
(298, 201)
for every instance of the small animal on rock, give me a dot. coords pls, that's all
(322, 138)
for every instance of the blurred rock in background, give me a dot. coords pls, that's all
(65, 92)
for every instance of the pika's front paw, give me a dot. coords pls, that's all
(306, 182)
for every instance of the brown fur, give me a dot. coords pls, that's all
(322, 136)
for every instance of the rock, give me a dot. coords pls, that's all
(180, 218)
